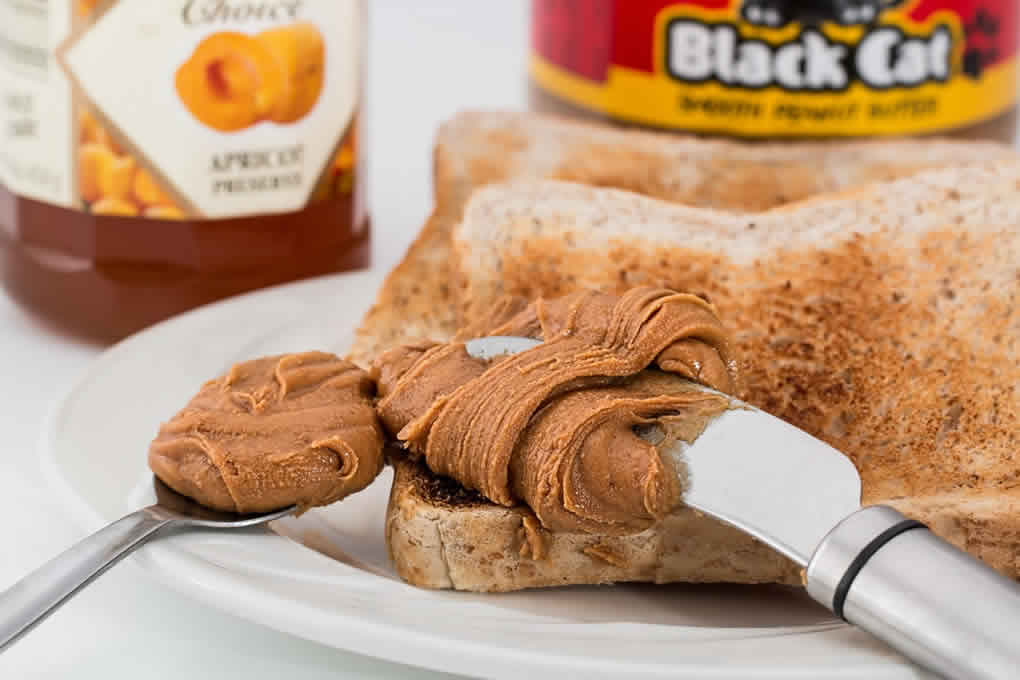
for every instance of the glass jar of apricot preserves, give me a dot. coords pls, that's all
(768, 69)
(155, 156)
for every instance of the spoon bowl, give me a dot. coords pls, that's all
(186, 511)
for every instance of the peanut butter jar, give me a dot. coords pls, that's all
(155, 156)
(781, 69)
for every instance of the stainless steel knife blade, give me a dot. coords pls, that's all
(872, 567)
(752, 470)
(770, 479)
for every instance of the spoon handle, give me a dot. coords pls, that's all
(36, 596)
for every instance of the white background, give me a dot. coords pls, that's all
(426, 60)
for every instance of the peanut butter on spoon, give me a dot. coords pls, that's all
(296, 429)
(580, 427)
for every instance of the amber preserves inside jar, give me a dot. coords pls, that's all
(140, 178)
(761, 70)
(105, 277)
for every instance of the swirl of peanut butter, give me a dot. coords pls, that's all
(297, 429)
(558, 426)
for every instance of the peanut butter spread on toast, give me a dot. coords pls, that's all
(560, 426)
(297, 429)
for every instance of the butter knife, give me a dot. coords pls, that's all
(872, 567)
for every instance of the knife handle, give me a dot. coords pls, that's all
(932, 602)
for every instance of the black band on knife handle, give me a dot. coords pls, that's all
(839, 598)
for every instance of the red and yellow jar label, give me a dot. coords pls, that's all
(781, 68)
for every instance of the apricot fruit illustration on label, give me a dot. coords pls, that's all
(301, 54)
(146, 191)
(112, 182)
(338, 179)
(93, 159)
(116, 177)
(85, 7)
(114, 206)
(233, 80)
(92, 131)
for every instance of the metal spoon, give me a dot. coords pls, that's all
(25, 604)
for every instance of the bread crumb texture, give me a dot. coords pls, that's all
(885, 323)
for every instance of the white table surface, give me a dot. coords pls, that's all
(426, 60)
(425, 63)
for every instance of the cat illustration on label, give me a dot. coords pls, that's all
(779, 13)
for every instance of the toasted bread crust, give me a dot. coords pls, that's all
(479, 546)
(885, 322)
(436, 544)
(477, 148)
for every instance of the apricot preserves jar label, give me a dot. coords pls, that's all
(179, 108)
(768, 68)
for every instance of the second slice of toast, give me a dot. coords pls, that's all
(417, 299)
(886, 322)
(441, 536)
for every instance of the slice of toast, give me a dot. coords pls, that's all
(440, 535)
(886, 321)
(437, 543)
(478, 148)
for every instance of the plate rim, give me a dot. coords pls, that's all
(460, 655)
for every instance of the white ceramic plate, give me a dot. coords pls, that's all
(326, 577)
